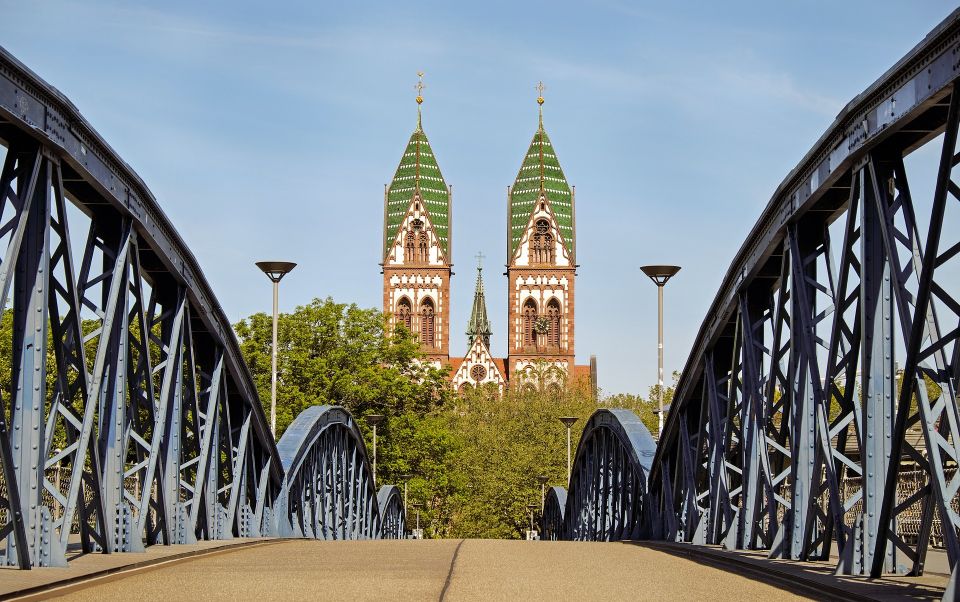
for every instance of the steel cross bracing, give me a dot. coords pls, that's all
(817, 412)
(608, 498)
(130, 418)
(328, 488)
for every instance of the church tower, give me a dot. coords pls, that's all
(417, 246)
(541, 265)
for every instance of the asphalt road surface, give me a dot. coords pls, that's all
(435, 570)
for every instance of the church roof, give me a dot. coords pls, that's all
(418, 171)
(479, 324)
(541, 173)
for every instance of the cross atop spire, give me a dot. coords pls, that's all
(480, 256)
(419, 88)
(540, 89)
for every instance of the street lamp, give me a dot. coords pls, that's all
(542, 479)
(660, 274)
(417, 506)
(568, 422)
(373, 420)
(405, 478)
(275, 271)
(532, 508)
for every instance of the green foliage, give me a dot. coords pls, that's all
(333, 353)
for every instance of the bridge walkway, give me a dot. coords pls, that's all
(477, 570)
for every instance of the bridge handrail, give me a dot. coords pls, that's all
(844, 144)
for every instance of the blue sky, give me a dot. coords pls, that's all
(267, 130)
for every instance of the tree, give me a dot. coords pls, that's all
(334, 353)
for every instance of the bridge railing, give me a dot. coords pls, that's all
(824, 376)
(127, 416)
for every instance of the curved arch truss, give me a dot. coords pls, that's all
(393, 515)
(328, 485)
(554, 506)
(818, 407)
(133, 419)
(609, 495)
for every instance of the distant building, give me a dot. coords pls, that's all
(541, 270)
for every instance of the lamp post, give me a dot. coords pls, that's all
(542, 479)
(405, 478)
(373, 420)
(660, 274)
(417, 506)
(275, 271)
(568, 422)
(532, 508)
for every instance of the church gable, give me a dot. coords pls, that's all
(478, 368)
(542, 241)
(416, 241)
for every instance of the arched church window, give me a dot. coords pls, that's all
(405, 313)
(529, 315)
(478, 373)
(423, 248)
(553, 321)
(427, 317)
(414, 244)
(464, 387)
(541, 247)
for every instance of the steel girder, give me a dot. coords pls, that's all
(791, 428)
(132, 419)
(609, 494)
(393, 515)
(328, 490)
(554, 506)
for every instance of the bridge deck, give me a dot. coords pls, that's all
(463, 570)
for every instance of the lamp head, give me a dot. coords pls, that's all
(660, 273)
(276, 270)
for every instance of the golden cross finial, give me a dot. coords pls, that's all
(540, 89)
(419, 87)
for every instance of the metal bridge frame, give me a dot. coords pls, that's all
(791, 391)
(133, 418)
(792, 384)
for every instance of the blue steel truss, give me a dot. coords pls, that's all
(818, 406)
(131, 418)
(609, 497)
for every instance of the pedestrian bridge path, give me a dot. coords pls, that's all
(452, 570)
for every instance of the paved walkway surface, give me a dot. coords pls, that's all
(451, 570)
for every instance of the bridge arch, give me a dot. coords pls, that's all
(609, 494)
(554, 506)
(328, 490)
(393, 515)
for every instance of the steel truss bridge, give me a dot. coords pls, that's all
(817, 411)
(132, 419)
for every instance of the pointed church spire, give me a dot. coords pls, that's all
(540, 175)
(418, 175)
(479, 325)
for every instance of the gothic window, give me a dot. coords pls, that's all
(553, 320)
(423, 248)
(478, 372)
(427, 318)
(464, 387)
(529, 314)
(541, 247)
(405, 313)
(415, 243)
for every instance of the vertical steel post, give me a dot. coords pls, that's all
(273, 361)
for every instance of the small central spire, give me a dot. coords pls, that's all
(479, 325)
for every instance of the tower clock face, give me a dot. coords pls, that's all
(478, 373)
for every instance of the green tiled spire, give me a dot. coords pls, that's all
(541, 173)
(479, 325)
(418, 170)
